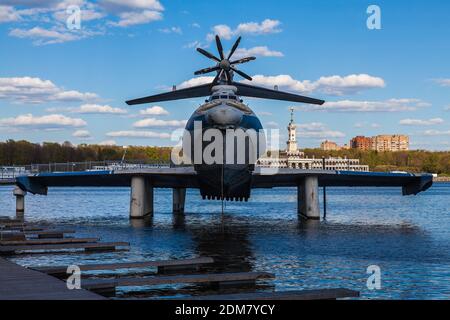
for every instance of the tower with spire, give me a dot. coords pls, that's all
(292, 140)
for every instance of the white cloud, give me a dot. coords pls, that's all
(325, 134)
(312, 126)
(317, 130)
(8, 14)
(331, 85)
(419, 122)
(119, 5)
(107, 143)
(436, 133)
(268, 26)
(133, 18)
(261, 51)
(195, 82)
(86, 15)
(44, 36)
(36, 90)
(447, 108)
(152, 122)
(98, 109)
(391, 105)
(42, 14)
(171, 30)
(138, 134)
(154, 111)
(52, 121)
(365, 124)
(443, 82)
(272, 124)
(81, 134)
(222, 30)
(193, 44)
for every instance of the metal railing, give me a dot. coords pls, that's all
(11, 172)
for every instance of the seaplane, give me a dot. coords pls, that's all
(225, 111)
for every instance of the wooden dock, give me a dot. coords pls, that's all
(7, 249)
(236, 278)
(177, 264)
(20, 283)
(31, 242)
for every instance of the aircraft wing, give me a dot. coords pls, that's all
(259, 92)
(186, 93)
(410, 183)
(186, 177)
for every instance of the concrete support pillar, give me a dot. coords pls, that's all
(20, 199)
(179, 198)
(141, 200)
(308, 198)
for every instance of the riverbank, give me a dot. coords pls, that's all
(441, 179)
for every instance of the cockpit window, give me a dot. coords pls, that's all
(223, 97)
(233, 97)
(215, 97)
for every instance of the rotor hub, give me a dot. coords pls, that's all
(225, 64)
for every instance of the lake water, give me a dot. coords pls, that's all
(407, 237)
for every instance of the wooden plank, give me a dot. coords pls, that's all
(10, 220)
(129, 265)
(68, 246)
(12, 236)
(98, 284)
(6, 224)
(20, 283)
(316, 294)
(43, 234)
(21, 228)
(47, 241)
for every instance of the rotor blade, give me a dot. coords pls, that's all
(219, 47)
(228, 76)
(192, 92)
(259, 92)
(219, 74)
(207, 54)
(242, 74)
(206, 70)
(236, 44)
(243, 60)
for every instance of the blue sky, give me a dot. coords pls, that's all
(58, 84)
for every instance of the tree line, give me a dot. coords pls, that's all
(410, 161)
(24, 153)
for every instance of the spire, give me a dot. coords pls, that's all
(291, 143)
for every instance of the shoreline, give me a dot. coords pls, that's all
(441, 179)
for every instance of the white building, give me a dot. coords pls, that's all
(292, 157)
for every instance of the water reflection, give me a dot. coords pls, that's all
(147, 221)
(409, 237)
(227, 241)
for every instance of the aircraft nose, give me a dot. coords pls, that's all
(225, 116)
